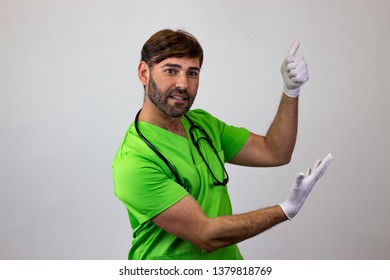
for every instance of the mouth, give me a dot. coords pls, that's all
(179, 98)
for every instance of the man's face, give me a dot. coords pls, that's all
(173, 85)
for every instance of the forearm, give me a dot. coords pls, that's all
(227, 230)
(281, 136)
(186, 220)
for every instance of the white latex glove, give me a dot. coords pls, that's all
(294, 71)
(303, 185)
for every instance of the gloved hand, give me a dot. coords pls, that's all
(303, 185)
(294, 71)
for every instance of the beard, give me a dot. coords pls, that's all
(160, 99)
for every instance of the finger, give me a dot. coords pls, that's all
(317, 164)
(295, 62)
(300, 79)
(297, 68)
(327, 159)
(299, 178)
(294, 48)
(291, 65)
(323, 166)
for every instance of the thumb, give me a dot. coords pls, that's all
(294, 48)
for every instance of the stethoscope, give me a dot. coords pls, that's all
(206, 138)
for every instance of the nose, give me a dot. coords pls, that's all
(182, 81)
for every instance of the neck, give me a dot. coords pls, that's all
(158, 118)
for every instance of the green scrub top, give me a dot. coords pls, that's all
(147, 187)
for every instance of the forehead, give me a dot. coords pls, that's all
(182, 62)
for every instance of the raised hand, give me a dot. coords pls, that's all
(294, 71)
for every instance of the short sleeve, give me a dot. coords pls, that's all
(230, 139)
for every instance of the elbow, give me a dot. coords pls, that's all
(209, 240)
(279, 154)
(282, 160)
(207, 245)
(208, 248)
(204, 239)
(285, 160)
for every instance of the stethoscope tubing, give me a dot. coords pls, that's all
(170, 166)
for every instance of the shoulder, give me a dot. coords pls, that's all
(204, 118)
(209, 121)
(200, 114)
(132, 153)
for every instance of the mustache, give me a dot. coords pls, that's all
(179, 91)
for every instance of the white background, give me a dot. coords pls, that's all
(69, 90)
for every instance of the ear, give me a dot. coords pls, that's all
(143, 72)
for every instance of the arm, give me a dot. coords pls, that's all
(187, 220)
(276, 147)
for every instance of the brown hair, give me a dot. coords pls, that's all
(168, 43)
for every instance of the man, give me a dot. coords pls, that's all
(169, 170)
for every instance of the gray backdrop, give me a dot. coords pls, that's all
(69, 90)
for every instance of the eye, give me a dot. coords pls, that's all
(193, 74)
(170, 71)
